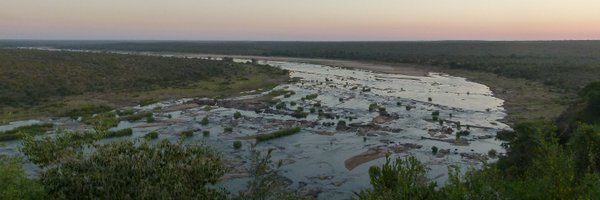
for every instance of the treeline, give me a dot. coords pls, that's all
(563, 64)
(31, 77)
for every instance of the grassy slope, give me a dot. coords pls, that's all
(35, 83)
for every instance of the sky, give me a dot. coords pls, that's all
(300, 20)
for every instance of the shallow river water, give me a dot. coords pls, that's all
(327, 160)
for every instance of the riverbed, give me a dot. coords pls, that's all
(327, 159)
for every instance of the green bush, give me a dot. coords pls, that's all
(227, 129)
(277, 134)
(402, 179)
(19, 132)
(204, 121)
(119, 133)
(237, 115)
(128, 170)
(150, 119)
(152, 135)
(186, 134)
(237, 144)
(206, 133)
(373, 107)
(311, 96)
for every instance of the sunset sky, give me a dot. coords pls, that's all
(300, 19)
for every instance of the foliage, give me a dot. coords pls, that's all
(151, 136)
(373, 107)
(399, 179)
(311, 96)
(585, 144)
(277, 134)
(19, 132)
(119, 133)
(564, 64)
(204, 121)
(123, 169)
(265, 182)
(59, 74)
(237, 144)
(14, 183)
(237, 115)
(186, 134)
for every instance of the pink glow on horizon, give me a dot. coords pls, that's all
(300, 20)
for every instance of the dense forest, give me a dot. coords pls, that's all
(33, 77)
(563, 64)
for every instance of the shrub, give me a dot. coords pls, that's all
(341, 99)
(277, 134)
(313, 110)
(373, 107)
(204, 121)
(408, 108)
(152, 135)
(434, 118)
(206, 133)
(119, 133)
(492, 153)
(227, 129)
(150, 119)
(435, 113)
(311, 96)
(342, 123)
(237, 115)
(18, 133)
(186, 134)
(237, 144)
(132, 170)
(429, 99)
(402, 179)
(381, 109)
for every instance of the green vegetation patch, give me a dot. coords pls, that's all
(18, 133)
(119, 133)
(277, 134)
